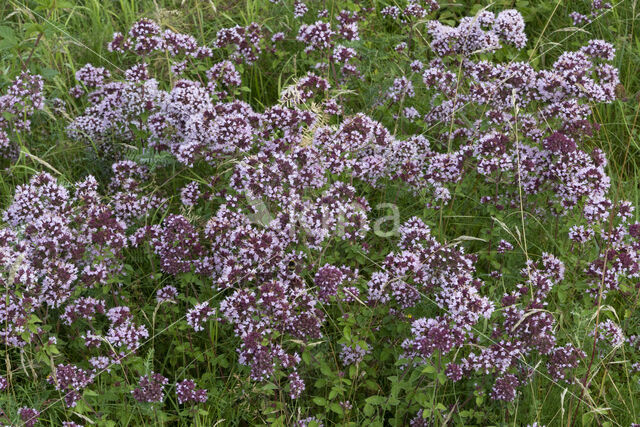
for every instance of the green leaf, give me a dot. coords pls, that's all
(336, 408)
(7, 32)
(320, 401)
(393, 401)
(353, 371)
(88, 392)
(33, 29)
(376, 400)
(64, 4)
(269, 387)
(347, 332)
(428, 370)
(368, 410)
(8, 36)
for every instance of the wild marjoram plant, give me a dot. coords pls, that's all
(271, 242)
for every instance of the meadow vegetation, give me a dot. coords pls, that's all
(319, 212)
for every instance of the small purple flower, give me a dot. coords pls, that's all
(392, 12)
(400, 47)
(610, 332)
(505, 388)
(167, 294)
(186, 391)
(504, 246)
(352, 354)
(245, 40)
(562, 359)
(150, 388)
(454, 372)
(299, 9)
(190, 194)
(296, 385)
(198, 315)
(29, 416)
(317, 36)
(92, 76)
(580, 234)
(137, 73)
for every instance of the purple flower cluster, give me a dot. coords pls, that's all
(317, 36)
(71, 380)
(412, 10)
(223, 73)
(402, 88)
(353, 354)
(145, 37)
(83, 308)
(29, 416)
(244, 40)
(186, 391)
(296, 385)
(22, 98)
(283, 185)
(55, 243)
(598, 7)
(198, 315)
(150, 388)
(124, 333)
(481, 33)
(307, 87)
(329, 279)
(505, 388)
(348, 25)
(610, 333)
(620, 262)
(177, 244)
(299, 9)
(167, 294)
